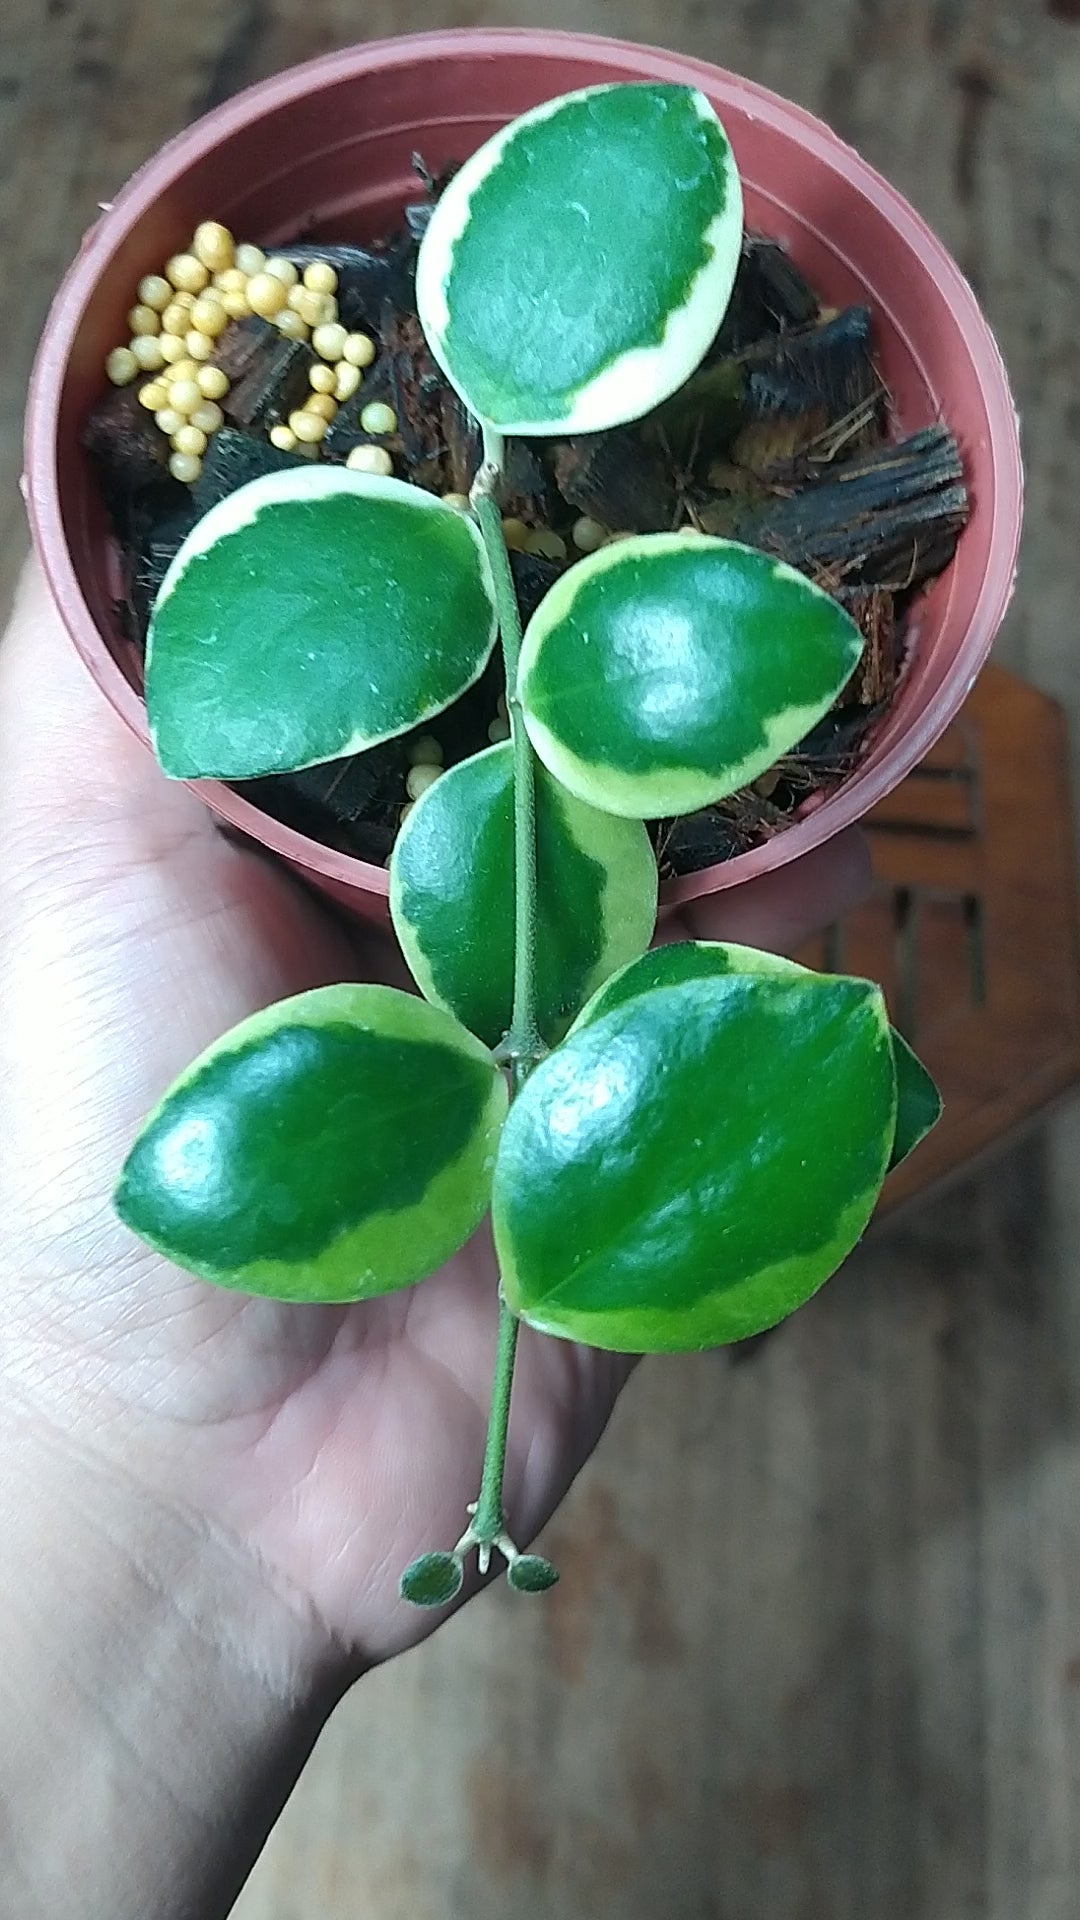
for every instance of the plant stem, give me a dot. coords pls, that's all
(523, 1046)
(487, 1521)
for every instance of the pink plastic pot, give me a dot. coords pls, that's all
(326, 148)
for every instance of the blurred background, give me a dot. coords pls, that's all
(816, 1651)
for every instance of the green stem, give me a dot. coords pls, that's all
(523, 1046)
(488, 1520)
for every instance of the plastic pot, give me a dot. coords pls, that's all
(326, 149)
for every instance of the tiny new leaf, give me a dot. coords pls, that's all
(452, 882)
(668, 670)
(918, 1102)
(433, 1580)
(693, 1162)
(531, 1573)
(576, 269)
(311, 614)
(335, 1146)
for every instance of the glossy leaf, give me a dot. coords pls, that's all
(452, 895)
(691, 1164)
(433, 1580)
(918, 1102)
(668, 670)
(335, 1146)
(311, 614)
(576, 269)
(679, 960)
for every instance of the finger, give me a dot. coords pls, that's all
(782, 909)
(83, 804)
(131, 934)
(66, 759)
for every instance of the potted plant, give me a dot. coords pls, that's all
(678, 1146)
(350, 124)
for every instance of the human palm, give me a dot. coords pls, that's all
(332, 1443)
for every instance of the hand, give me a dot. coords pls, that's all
(327, 1445)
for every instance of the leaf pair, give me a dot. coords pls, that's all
(700, 1153)
(317, 612)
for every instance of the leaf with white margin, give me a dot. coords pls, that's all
(577, 268)
(918, 1102)
(692, 1164)
(452, 895)
(678, 960)
(309, 615)
(668, 670)
(335, 1146)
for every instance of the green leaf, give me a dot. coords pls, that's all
(679, 960)
(452, 895)
(531, 1573)
(432, 1580)
(692, 1163)
(576, 269)
(335, 1146)
(918, 1102)
(311, 614)
(668, 670)
(918, 1107)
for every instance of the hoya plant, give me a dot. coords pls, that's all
(676, 1146)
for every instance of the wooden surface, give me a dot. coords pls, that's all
(946, 930)
(816, 1655)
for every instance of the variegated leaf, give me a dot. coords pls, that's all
(576, 269)
(697, 1157)
(337, 1145)
(668, 670)
(311, 614)
(918, 1102)
(452, 895)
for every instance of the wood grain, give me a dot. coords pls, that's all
(994, 1013)
(816, 1654)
